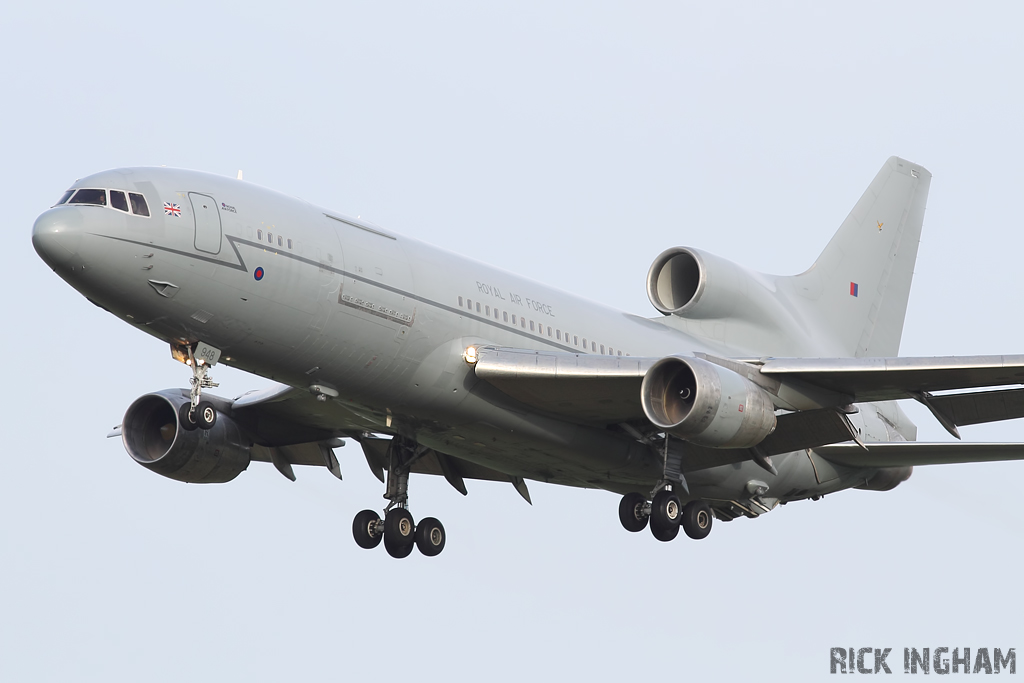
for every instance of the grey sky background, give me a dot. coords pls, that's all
(570, 143)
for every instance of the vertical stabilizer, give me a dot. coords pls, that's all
(857, 290)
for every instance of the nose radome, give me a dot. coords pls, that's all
(56, 235)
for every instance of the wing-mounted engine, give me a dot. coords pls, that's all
(156, 440)
(694, 284)
(706, 404)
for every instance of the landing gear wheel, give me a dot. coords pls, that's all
(430, 537)
(665, 535)
(206, 415)
(697, 519)
(185, 417)
(631, 512)
(366, 529)
(399, 532)
(666, 511)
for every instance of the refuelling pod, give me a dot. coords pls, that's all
(887, 478)
(155, 439)
(706, 404)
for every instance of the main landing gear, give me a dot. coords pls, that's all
(199, 414)
(665, 514)
(398, 530)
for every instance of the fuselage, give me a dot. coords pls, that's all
(308, 296)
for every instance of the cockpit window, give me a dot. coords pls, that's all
(139, 206)
(118, 201)
(66, 196)
(87, 196)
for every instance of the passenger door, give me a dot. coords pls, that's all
(207, 217)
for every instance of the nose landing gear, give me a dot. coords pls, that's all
(398, 530)
(198, 414)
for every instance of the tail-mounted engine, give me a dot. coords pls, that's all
(154, 437)
(706, 404)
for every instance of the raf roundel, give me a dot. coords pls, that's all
(258, 273)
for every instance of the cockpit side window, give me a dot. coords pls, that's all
(139, 206)
(118, 201)
(90, 196)
(66, 196)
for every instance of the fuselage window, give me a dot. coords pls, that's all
(280, 241)
(593, 346)
(531, 326)
(522, 322)
(259, 235)
(469, 304)
(289, 243)
(602, 349)
(584, 343)
(576, 341)
(513, 318)
(87, 196)
(611, 351)
(487, 311)
(270, 237)
(139, 206)
(460, 302)
(505, 316)
(620, 353)
(496, 316)
(477, 306)
(549, 330)
(118, 201)
(558, 335)
(64, 197)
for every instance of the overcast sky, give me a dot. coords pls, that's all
(569, 142)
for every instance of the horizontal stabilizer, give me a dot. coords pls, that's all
(903, 453)
(887, 379)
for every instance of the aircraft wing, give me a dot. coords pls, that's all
(583, 387)
(902, 453)
(292, 427)
(606, 389)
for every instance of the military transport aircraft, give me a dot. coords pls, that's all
(746, 392)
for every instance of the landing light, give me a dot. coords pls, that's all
(470, 355)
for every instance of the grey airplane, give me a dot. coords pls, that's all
(747, 391)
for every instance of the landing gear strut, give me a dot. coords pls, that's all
(398, 530)
(199, 414)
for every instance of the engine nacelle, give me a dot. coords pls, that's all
(694, 284)
(154, 438)
(706, 404)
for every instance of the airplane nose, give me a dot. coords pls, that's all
(56, 235)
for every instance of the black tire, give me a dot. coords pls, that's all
(666, 511)
(397, 551)
(366, 529)
(631, 512)
(399, 528)
(206, 415)
(665, 535)
(185, 417)
(430, 537)
(697, 519)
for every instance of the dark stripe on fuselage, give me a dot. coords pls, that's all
(232, 240)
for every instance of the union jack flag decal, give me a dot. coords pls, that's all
(172, 209)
